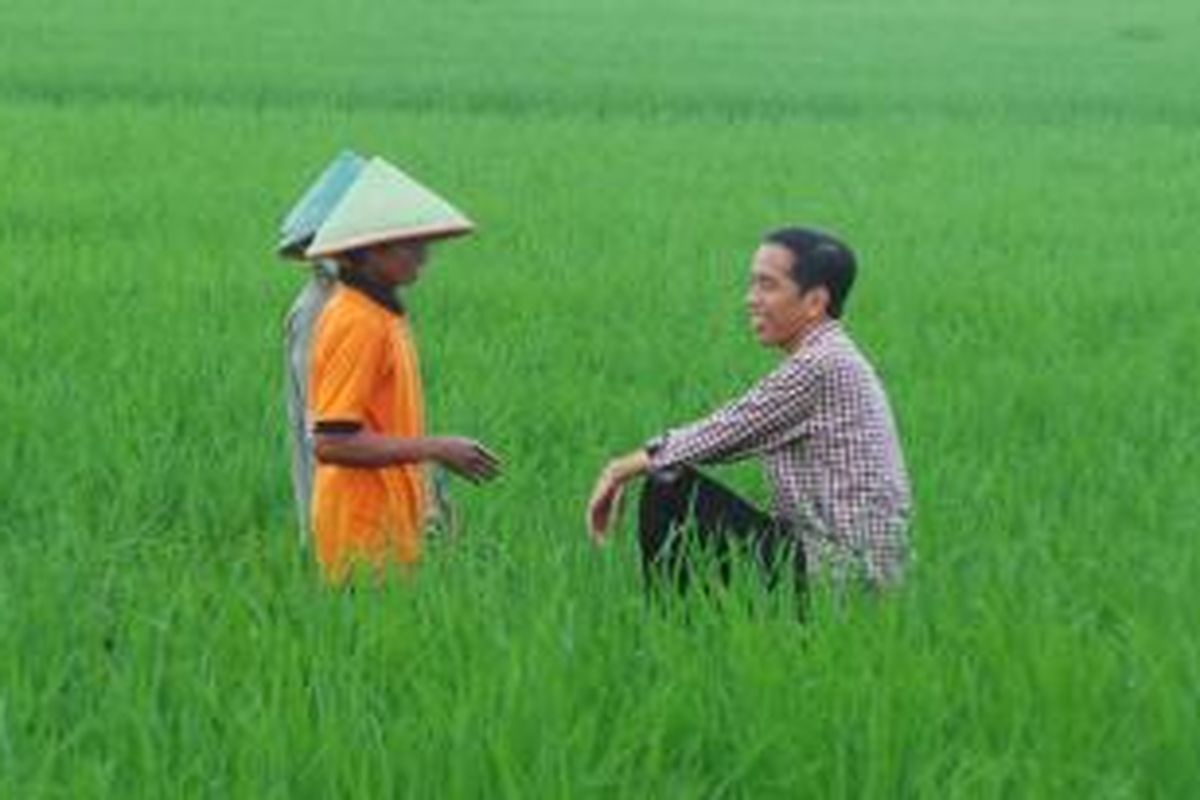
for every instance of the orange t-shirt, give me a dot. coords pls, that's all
(364, 371)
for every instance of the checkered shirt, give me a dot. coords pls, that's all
(822, 425)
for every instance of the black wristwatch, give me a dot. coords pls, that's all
(654, 445)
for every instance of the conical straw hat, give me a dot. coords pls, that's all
(312, 209)
(385, 205)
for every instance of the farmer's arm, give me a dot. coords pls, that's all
(355, 357)
(362, 448)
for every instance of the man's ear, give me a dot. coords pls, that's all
(816, 302)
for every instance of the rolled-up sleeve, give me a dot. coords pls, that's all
(770, 414)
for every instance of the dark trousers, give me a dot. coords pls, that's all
(686, 518)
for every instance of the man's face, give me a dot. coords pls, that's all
(397, 263)
(779, 312)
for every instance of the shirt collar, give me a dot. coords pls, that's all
(375, 291)
(820, 333)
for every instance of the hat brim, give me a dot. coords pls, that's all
(426, 233)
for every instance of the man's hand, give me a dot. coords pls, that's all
(605, 500)
(466, 457)
(605, 503)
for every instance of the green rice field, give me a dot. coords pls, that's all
(1021, 181)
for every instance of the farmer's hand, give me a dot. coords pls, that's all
(466, 457)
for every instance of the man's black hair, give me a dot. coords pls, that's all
(818, 259)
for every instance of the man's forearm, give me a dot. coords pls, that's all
(710, 439)
(372, 450)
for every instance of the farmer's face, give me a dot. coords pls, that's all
(397, 263)
(780, 313)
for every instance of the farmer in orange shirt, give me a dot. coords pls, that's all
(365, 400)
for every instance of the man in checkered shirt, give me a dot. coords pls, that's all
(820, 421)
